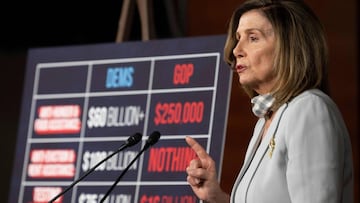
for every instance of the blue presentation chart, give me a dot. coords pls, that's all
(82, 103)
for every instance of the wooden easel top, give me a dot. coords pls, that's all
(146, 18)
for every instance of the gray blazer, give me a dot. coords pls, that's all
(311, 161)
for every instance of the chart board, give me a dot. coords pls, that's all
(81, 103)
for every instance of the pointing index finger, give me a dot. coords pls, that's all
(199, 150)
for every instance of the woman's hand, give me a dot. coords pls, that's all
(202, 175)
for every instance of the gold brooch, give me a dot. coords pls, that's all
(271, 146)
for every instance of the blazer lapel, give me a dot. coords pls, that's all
(253, 145)
(260, 147)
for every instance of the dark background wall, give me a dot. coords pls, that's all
(60, 23)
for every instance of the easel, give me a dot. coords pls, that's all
(145, 8)
(146, 18)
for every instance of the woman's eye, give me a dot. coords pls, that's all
(253, 39)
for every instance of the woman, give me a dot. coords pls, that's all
(300, 149)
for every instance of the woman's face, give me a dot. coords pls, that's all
(254, 52)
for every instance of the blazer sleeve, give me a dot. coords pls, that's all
(315, 143)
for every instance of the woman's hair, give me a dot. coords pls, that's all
(301, 53)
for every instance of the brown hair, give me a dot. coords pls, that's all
(301, 55)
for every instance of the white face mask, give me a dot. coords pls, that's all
(262, 104)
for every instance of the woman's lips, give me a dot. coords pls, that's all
(240, 68)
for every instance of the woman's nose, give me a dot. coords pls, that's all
(238, 50)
